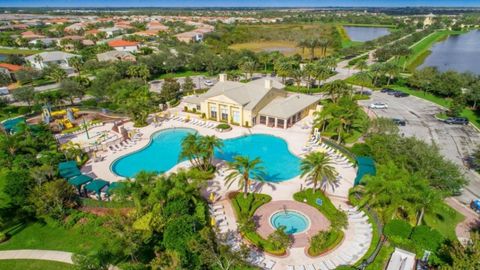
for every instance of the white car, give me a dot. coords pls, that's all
(208, 83)
(378, 105)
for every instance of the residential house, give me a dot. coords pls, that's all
(262, 101)
(147, 33)
(191, 36)
(41, 60)
(111, 31)
(10, 69)
(30, 35)
(44, 41)
(124, 45)
(114, 55)
(157, 26)
(75, 28)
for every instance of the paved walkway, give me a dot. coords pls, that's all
(471, 221)
(35, 254)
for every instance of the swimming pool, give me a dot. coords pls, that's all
(162, 154)
(293, 221)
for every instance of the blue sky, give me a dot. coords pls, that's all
(232, 3)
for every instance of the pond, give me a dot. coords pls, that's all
(458, 52)
(362, 33)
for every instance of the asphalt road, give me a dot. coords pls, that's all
(454, 141)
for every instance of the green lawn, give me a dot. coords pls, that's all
(41, 236)
(34, 265)
(382, 258)
(444, 219)
(188, 73)
(18, 51)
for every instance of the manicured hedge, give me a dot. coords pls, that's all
(427, 238)
(223, 126)
(398, 227)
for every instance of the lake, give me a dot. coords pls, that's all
(458, 52)
(362, 34)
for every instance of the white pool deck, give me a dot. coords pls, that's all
(296, 137)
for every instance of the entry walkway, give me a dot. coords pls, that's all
(35, 254)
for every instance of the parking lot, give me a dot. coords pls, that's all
(198, 81)
(454, 141)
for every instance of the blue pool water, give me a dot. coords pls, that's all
(293, 221)
(163, 152)
(159, 156)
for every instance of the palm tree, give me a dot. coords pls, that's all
(190, 149)
(242, 168)
(76, 63)
(208, 145)
(323, 44)
(361, 65)
(337, 89)
(317, 167)
(312, 44)
(302, 44)
(248, 68)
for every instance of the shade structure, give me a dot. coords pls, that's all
(366, 165)
(96, 185)
(113, 186)
(80, 180)
(67, 165)
(69, 172)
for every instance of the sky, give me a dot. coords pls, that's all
(235, 3)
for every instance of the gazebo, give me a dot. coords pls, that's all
(366, 165)
(79, 180)
(96, 186)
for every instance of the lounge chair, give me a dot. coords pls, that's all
(300, 267)
(269, 264)
(290, 267)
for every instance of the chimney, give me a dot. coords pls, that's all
(222, 77)
(268, 84)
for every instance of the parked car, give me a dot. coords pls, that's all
(4, 91)
(393, 92)
(475, 205)
(378, 105)
(401, 94)
(399, 122)
(364, 92)
(456, 121)
(208, 83)
(387, 90)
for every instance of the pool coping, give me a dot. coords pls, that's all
(307, 228)
(150, 141)
(150, 138)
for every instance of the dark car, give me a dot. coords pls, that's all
(399, 122)
(387, 90)
(456, 121)
(364, 92)
(401, 94)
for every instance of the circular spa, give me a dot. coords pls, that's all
(294, 222)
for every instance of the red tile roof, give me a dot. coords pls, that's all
(10, 67)
(121, 43)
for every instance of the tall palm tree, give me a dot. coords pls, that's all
(361, 65)
(303, 43)
(190, 149)
(208, 145)
(317, 167)
(248, 68)
(323, 44)
(242, 168)
(337, 89)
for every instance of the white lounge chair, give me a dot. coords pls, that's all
(269, 264)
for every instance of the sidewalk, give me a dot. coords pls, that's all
(32, 254)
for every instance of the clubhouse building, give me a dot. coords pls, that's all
(263, 101)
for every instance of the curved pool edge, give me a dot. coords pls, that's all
(150, 141)
(307, 228)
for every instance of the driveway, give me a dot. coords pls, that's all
(455, 142)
